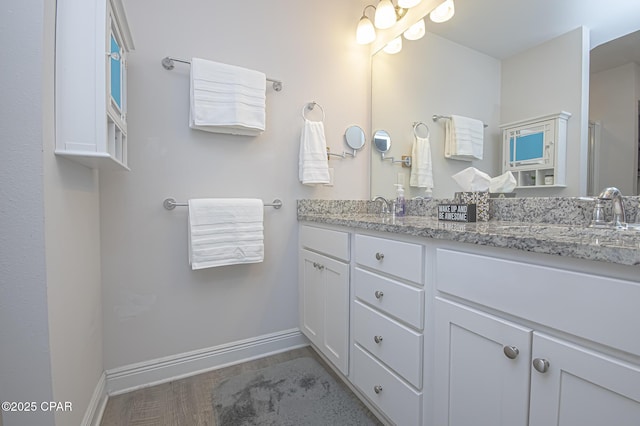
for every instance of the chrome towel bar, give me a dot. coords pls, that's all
(436, 117)
(168, 64)
(170, 204)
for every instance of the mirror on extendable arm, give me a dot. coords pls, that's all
(382, 141)
(354, 137)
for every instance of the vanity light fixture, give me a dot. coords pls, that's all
(365, 33)
(416, 31)
(394, 46)
(443, 13)
(385, 15)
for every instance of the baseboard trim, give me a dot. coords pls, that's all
(98, 402)
(161, 370)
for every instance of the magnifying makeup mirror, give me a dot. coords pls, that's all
(382, 141)
(354, 137)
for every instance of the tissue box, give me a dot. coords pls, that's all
(480, 199)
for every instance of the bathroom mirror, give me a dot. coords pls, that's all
(382, 141)
(438, 64)
(354, 137)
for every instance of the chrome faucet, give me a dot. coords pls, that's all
(619, 219)
(387, 206)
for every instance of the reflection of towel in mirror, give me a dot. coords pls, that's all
(313, 166)
(464, 138)
(421, 165)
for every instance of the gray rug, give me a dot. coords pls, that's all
(297, 392)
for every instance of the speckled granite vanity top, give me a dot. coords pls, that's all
(567, 236)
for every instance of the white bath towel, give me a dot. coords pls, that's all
(225, 231)
(421, 164)
(226, 98)
(464, 138)
(313, 166)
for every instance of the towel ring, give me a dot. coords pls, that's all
(415, 129)
(310, 106)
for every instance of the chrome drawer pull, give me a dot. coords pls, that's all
(377, 339)
(378, 294)
(511, 352)
(379, 256)
(377, 388)
(541, 365)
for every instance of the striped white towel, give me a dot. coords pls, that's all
(225, 231)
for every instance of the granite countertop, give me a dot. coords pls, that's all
(578, 241)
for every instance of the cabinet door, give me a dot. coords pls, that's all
(581, 387)
(482, 368)
(325, 306)
(311, 288)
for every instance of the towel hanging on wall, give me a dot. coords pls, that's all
(464, 138)
(313, 166)
(226, 98)
(422, 166)
(225, 231)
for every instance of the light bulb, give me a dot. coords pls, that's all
(394, 46)
(443, 13)
(416, 31)
(365, 33)
(406, 4)
(385, 15)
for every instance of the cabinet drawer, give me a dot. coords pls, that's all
(395, 399)
(397, 258)
(327, 241)
(397, 299)
(398, 346)
(593, 307)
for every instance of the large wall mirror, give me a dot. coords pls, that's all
(480, 65)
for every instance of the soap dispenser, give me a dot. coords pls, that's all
(400, 203)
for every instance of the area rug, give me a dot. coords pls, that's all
(296, 392)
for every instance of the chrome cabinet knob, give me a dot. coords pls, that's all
(377, 339)
(378, 294)
(511, 352)
(377, 388)
(541, 365)
(379, 256)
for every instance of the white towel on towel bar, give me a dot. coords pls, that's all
(226, 98)
(421, 165)
(464, 138)
(225, 231)
(313, 166)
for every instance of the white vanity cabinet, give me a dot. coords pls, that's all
(482, 368)
(92, 43)
(324, 292)
(550, 352)
(387, 318)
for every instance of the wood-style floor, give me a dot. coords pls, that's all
(187, 402)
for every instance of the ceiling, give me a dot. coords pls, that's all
(502, 28)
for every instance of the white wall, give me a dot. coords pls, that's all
(433, 76)
(153, 304)
(550, 78)
(614, 103)
(25, 370)
(50, 308)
